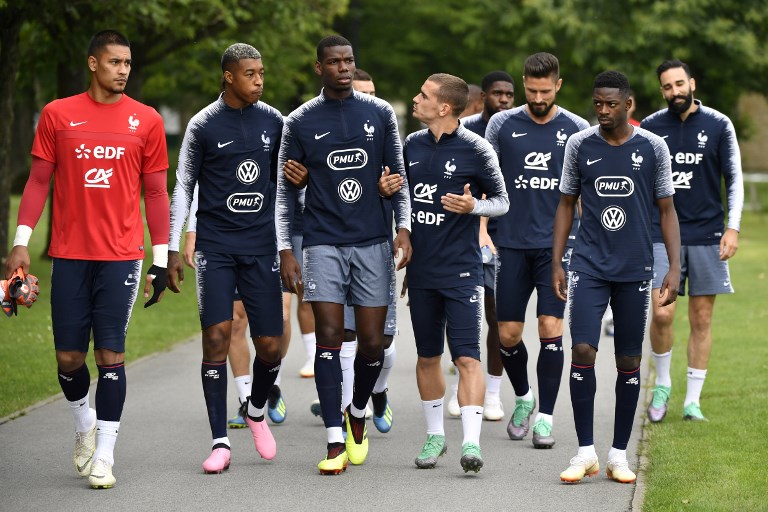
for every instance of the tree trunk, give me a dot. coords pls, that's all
(10, 28)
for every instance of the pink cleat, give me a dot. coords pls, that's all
(217, 461)
(262, 438)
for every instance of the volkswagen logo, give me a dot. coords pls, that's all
(350, 190)
(613, 218)
(248, 172)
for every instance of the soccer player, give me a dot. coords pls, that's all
(498, 94)
(100, 146)
(474, 101)
(229, 150)
(449, 170)
(363, 82)
(619, 171)
(345, 139)
(704, 150)
(530, 142)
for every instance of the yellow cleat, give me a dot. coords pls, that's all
(580, 467)
(334, 465)
(357, 451)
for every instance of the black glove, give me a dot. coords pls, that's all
(159, 277)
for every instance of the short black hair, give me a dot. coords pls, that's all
(453, 91)
(496, 76)
(328, 42)
(102, 39)
(542, 65)
(613, 80)
(236, 52)
(361, 76)
(672, 63)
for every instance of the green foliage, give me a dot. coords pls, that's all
(717, 465)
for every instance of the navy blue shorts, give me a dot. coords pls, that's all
(257, 280)
(457, 312)
(93, 297)
(588, 298)
(518, 272)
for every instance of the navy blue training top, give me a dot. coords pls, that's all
(445, 249)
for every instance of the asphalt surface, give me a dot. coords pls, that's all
(164, 438)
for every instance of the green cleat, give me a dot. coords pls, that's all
(519, 423)
(657, 409)
(542, 434)
(434, 447)
(471, 458)
(692, 412)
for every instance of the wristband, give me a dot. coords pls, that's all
(23, 234)
(160, 255)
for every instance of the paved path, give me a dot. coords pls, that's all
(164, 438)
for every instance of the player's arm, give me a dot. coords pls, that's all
(191, 237)
(30, 209)
(158, 212)
(670, 232)
(401, 200)
(495, 201)
(563, 224)
(730, 161)
(286, 200)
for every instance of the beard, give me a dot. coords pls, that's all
(679, 108)
(537, 111)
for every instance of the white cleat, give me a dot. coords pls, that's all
(101, 476)
(85, 446)
(308, 370)
(619, 470)
(454, 410)
(493, 410)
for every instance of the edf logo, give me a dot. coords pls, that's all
(688, 158)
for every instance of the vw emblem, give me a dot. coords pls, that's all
(613, 218)
(350, 190)
(248, 172)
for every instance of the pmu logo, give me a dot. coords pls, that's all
(576, 376)
(636, 160)
(422, 192)
(111, 376)
(345, 159)
(369, 130)
(702, 139)
(350, 190)
(537, 161)
(561, 138)
(633, 381)
(212, 374)
(613, 218)
(99, 152)
(245, 202)
(614, 186)
(97, 178)
(248, 171)
(450, 167)
(133, 123)
(682, 179)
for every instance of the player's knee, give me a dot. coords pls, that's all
(467, 364)
(550, 326)
(510, 333)
(349, 335)
(663, 317)
(627, 363)
(216, 343)
(583, 353)
(268, 348)
(69, 361)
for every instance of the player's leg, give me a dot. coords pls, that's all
(708, 277)
(115, 288)
(493, 409)
(630, 309)
(259, 287)
(239, 357)
(382, 411)
(305, 317)
(427, 319)
(276, 407)
(347, 356)
(662, 336)
(71, 315)
(463, 309)
(549, 367)
(326, 282)
(515, 278)
(216, 280)
(587, 300)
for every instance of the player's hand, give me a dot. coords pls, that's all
(296, 173)
(669, 288)
(485, 239)
(18, 257)
(389, 184)
(401, 248)
(157, 279)
(21, 290)
(189, 248)
(729, 244)
(456, 203)
(559, 282)
(290, 272)
(175, 271)
(404, 290)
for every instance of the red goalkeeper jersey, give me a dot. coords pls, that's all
(100, 152)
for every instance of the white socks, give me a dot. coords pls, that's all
(587, 451)
(390, 355)
(279, 375)
(528, 396)
(492, 385)
(220, 440)
(309, 345)
(243, 384)
(546, 417)
(106, 436)
(616, 455)
(83, 415)
(662, 363)
(695, 383)
(471, 422)
(433, 413)
(347, 360)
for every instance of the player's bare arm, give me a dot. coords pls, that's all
(729, 244)
(459, 203)
(189, 248)
(175, 271)
(401, 247)
(485, 238)
(296, 173)
(670, 231)
(563, 223)
(18, 257)
(290, 272)
(389, 184)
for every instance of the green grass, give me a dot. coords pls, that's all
(27, 358)
(719, 465)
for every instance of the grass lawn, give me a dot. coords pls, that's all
(719, 465)
(27, 359)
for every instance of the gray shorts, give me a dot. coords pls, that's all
(390, 324)
(489, 275)
(356, 276)
(700, 267)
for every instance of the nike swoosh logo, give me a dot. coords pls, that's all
(664, 136)
(318, 137)
(473, 299)
(81, 468)
(412, 163)
(72, 123)
(643, 288)
(129, 283)
(516, 135)
(225, 144)
(590, 162)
